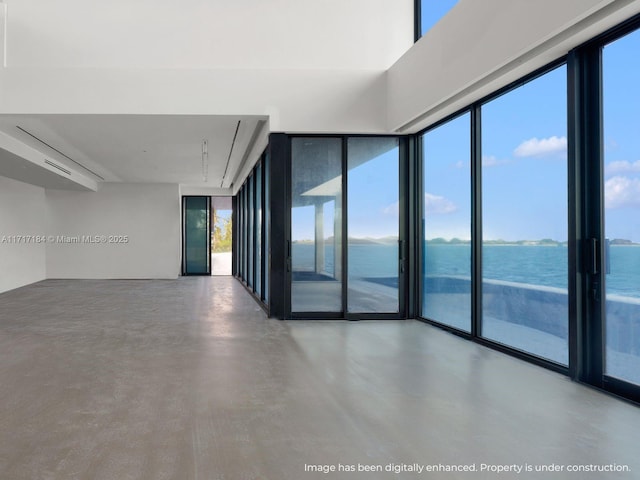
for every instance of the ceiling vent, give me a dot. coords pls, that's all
(59, 167)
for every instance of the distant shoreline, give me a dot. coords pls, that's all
(527, 243)
(453, 242)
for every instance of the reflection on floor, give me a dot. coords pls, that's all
(188, 379)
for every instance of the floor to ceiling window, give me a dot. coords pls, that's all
(239, 237)
(266, 261)
(345, 262)
(258, 230)
(196, 220)
(245, 234)
(527, 224)
(253, 226)
(524, 218)
(446, 223)
(621, 102)
(514, 289)
(316, 225)
(373, 224)
(251, 205)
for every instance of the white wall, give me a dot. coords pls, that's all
(3, 21)
(201, 34)
(295, 100)
(481, 46)
(311, 66)
(322, 67)
(22, 212)
(148, 214)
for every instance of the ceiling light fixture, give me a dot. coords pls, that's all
(205, 161)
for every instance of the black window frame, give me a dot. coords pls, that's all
(585, 215)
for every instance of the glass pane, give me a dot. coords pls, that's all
(196, 231)
(243, 235)
(244, 232)
(621, 76)
(267, 222)
(316, 218)
(446, 273)
(238, 229)
(258, 231)
(250, 227)
(524, 212)
(432, 11)
(373, 224)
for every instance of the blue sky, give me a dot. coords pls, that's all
(621, 72)
(373, 197)
(524, 159)
(524, 153)
(433, 10)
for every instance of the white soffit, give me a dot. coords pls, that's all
(23, 163)
(144, 148)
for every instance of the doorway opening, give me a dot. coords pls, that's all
(221, 236)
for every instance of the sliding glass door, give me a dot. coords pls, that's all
(373, 249)
(446, 224)
(546, 264)
(621, 186)
(196, 253)
(524, 218)
(316, 225)
(345, 264)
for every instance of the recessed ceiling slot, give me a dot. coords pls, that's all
(58, 151)
(55, 165)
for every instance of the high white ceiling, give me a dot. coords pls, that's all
(143, 148)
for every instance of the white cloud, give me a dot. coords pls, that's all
(437, 205)
(491, 161)
(535, 147)
(434, 205)
(622, 191)
(622, 166)
(393, 209)
(461, 164)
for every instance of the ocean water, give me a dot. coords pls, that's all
(529, 264)
(364, 260)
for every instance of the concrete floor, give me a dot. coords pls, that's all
(187, 379)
